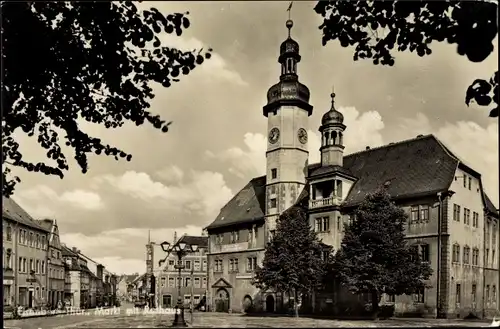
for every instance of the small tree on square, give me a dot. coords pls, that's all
(374, 257)
(294, 260)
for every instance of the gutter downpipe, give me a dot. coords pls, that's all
(438, 270)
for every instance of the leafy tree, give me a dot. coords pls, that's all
(378, 28)
(63, 62)
(293, 260)
(374, 257)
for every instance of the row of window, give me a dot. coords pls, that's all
(197, 264)
(466, 258)
(467, 179)
(488, 297)
(56, 273)
(55, 254)
(33, 240)
(491, 227)
(419, 214)
(38, 266)
(419, 296)
(322, 224)
(184, 282)
(456, 216)
(422, 250)
(234, 236)
(233, 265)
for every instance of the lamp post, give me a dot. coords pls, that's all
(180, 249)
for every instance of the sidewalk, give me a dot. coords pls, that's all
(40, 313)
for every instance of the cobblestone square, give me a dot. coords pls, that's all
(219, 320)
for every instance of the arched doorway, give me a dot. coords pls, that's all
(247, 304)
(270, 304)
(222, 300)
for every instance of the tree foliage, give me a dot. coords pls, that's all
(374, 256)
(378, 28)
(94, 61)
(293, 260)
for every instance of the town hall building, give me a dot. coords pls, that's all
(444, 198)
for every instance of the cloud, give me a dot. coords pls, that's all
(172, 174)
(250, 161)
(123, 250)
(214, 68)
(203, 194)
(42, 201)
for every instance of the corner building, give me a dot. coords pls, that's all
(447, 207)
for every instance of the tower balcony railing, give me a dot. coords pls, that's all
(331, 201)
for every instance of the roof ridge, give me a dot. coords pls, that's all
(392, 144)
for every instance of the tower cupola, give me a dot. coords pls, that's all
(288, 91)
(332, 136)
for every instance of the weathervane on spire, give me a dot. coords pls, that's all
(289, 22)
(333, 95)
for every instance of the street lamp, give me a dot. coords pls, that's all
(180, 249)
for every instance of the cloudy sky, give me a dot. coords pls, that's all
(178, 181)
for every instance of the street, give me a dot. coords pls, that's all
(213, 320)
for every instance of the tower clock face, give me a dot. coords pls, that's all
(302, 135)
(274, 135)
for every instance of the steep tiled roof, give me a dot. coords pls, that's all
(420, 166)
(11, 210)
(65, 251)
(200, 241)
(246, 206)
(411, 168)
(490, 206)
(47, 223)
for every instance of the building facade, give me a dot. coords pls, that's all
(25, 246)
(55, 264)
(125, 287)
(193, 278)
(447, 207)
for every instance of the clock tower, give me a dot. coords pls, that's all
(287, 113)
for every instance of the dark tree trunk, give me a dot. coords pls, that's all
(375, 300)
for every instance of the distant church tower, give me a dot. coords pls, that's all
(332, 137)
(287, 113)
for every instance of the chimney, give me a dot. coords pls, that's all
(367, 147)
(418, 136)
(391, 143)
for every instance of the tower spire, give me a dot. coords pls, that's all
(149, 236)
(289, 22)
(332, 95)
(332, 135)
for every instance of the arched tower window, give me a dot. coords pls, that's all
(326, 139)
(334, 137)
(341, 138)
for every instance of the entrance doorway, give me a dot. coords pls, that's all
(30, 298)
(247, 304)
(270, 304)
(167, 301)
(222, 300)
